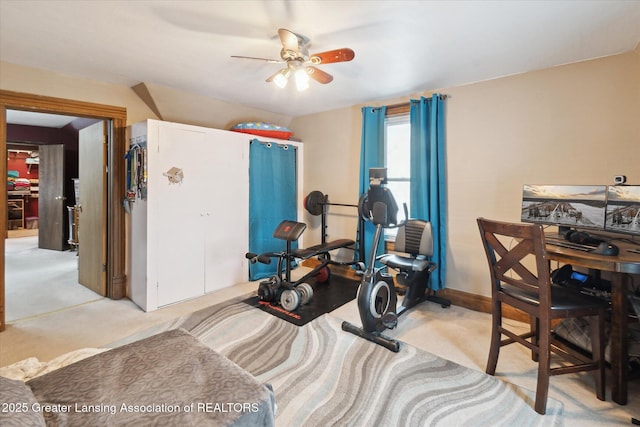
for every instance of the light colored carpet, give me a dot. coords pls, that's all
(323, 376)
(455, 334)
(40, 281)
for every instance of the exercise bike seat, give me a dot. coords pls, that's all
(415, 239)
(321, 248)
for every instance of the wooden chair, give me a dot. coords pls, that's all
(513, 250)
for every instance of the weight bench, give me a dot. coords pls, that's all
(273, 289)
(290, 231)
(322, 248)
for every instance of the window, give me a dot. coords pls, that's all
(397, 159)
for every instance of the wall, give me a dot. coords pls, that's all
(573, 124)
(177, 106)
(18, 78)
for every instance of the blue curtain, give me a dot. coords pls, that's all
(428, 186)
(272, 198)
(371, 156)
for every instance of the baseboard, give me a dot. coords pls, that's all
(463, 299)
(480, 303)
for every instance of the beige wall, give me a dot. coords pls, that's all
(574, 124)
(176, 106)
(30, 80)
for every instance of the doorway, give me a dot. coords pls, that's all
(41, 281)
(114, 184)
(48, 157)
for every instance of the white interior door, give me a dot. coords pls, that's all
(227, 208)
(179, 213)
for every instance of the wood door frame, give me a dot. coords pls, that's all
(9, 100)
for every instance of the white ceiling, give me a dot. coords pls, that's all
(401, 47)
(38, 119)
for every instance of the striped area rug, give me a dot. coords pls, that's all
(323, 376)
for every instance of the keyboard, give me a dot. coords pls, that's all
(569, 245)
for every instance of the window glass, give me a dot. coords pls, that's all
(397, 159)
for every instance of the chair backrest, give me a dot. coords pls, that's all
(517, 257)
(415, 238)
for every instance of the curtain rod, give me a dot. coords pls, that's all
(403, 108)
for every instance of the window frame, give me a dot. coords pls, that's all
(396, 118)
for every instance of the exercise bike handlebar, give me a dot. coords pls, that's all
(398, 225)
(406, 217)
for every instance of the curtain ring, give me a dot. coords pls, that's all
(285, 147)
(268, 144)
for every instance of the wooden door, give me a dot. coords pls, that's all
(51, 200)
(91, 225)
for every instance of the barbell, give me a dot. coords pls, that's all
(315, 202)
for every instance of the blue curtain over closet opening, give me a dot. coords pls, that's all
(272, 199)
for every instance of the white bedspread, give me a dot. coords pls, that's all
(29, 368)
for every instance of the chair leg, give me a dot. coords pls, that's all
(544, 365)
(598, 345)
(494, 349)
(534, 325)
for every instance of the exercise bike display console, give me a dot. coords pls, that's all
(376, 298)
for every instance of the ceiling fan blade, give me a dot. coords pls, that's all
(338, 55)
(319, 75)
(289, 40)
(273, 76)
(271, 61)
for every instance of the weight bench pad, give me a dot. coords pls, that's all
(322, 248)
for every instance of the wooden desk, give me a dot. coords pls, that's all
(621, 267)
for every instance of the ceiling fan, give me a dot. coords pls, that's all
(295, 53)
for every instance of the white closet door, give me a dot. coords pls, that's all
(227, 207)
(180, 214)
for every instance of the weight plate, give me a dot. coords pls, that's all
(306, 291)
(290, 300)
(323, 275)
(314, 202)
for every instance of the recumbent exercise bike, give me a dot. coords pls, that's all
(376, 296)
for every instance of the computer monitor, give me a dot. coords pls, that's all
(573, 206)
(623, 209)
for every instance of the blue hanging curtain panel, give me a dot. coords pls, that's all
(428, 177)
(371, 156)
(272, 199)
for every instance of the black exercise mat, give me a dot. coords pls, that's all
(326, 297)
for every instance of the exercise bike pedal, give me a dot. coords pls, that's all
(390, 320)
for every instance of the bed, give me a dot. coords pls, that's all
(167, 379)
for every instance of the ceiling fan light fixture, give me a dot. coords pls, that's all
(282, 78)
(302, 79)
